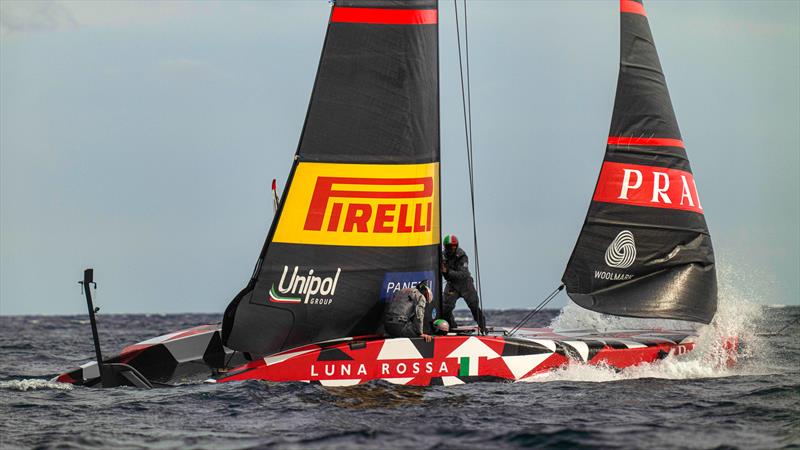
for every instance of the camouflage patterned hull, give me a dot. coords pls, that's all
(197, 354)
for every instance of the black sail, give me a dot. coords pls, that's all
(644, 250)
(359, 218)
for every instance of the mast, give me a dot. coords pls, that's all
(359, 216)
(644, 249)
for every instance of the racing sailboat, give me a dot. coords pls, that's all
(359, 219)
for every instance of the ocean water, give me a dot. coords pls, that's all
(694, 402)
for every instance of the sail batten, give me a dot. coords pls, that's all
(644, 249)
(628, 141)
(359, 217)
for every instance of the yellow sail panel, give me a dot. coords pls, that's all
(365, 205)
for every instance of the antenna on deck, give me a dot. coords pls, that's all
(88, 281)
(111, 374)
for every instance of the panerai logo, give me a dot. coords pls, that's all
(309, 289)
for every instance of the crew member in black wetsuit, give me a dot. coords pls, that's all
(455, 270)
(405, 314)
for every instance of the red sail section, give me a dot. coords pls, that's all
(655, 187)
(655, 142)
(385, 16)
(631, 6)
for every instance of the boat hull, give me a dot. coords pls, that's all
(458, 359)
(197, 354)
(185, 356)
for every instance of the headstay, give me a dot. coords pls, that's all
(359, 217)
(645, 249)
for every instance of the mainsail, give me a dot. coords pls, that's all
(644, 250)
(359, 217)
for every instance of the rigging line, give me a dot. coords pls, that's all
(463, 93)
(530, 315)
(466, 106)
(535, 310)
(469, 95)
(471, 155)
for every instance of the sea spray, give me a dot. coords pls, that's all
(738, 315)
(573, 317)
(33, 384)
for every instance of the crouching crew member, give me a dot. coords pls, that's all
(440, 327)
(455, 269)
(405, 314)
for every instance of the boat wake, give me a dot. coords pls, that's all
(34, 384)
(738, 315)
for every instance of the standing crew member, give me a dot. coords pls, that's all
(405, 314)
(455, 269)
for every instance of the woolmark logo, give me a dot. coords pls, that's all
(622, 252)
(308, 289)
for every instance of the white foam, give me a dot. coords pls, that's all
(573, 317)
(738, 313)
(33, 384)
(671, 368)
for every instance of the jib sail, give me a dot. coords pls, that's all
(644, 250)
(359, 218)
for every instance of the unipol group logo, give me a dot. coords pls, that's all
(622, 252)
(380, 205)
(308, 288)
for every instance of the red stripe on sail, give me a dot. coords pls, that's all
(654, 187)
(630, 6)
(655, 142)
(385, 16)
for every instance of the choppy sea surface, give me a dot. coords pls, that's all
(694, 402)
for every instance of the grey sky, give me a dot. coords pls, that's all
(140, 138)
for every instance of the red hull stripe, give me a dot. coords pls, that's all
(630, 6)
(655, 142)
(653, 187)
(385, 16)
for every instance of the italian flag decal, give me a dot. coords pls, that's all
(467, 366)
